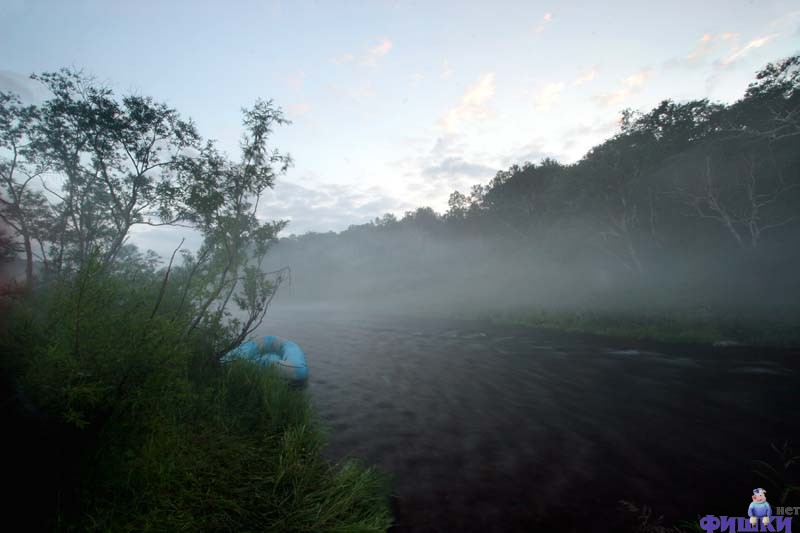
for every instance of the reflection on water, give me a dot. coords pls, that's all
(487, 428)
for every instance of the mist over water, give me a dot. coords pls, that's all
(410, 271)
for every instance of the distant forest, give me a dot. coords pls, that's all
(690, 205)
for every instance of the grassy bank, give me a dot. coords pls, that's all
(769, 329)
(121, 422)
(246, 457)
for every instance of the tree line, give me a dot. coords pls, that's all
(715, 185)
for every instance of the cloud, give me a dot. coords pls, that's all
(295, 80)
(446, 71)
(546, 19)
(481, 91)
(357, 93)
(450, 167)
(637, 79)
(369, 58)
(741, 51)
(786, 20)
(473, 104)
(416, 78)
(581, 138)
(374, 54)
(325, 207)
(546, 96)
(706, 44)
(442, 168)
(298, 110)
(629, 86)
(736, 54)
(343, 58)
(533, 152)
(29, 91)
(308, 204)
(603, 128)
(586, 77)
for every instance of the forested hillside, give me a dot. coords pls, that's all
(691, 206)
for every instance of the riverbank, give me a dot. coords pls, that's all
(132, 429)
(778, 329)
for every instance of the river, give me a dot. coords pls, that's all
(506, 428)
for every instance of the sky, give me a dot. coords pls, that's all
(396, 104)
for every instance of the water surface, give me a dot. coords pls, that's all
(489, 428)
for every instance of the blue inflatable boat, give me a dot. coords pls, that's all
(274, 351)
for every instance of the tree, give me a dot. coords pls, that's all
(22, 207)
(613, 196)
(106, 164)
(771, 105)
(116, 159)
(674, 126)
(423, 218)
(221, 198)
(743, 175)
(739, 188)
(458, 205)
(388, 220)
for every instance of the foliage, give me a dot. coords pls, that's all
(221, 198)
(116, 358)
(250, 461)
(153, 438)
(109, 164)
(21, 205)
(86, 166)
(780, 474)
(642, 520)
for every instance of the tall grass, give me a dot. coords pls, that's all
(153, 438)
(245, 457)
